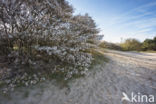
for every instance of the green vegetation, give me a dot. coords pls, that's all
(131, 45)
(135, 45)
(149, 44)
(109, 45)
(99, 57)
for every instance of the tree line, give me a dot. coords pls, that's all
(132, 44)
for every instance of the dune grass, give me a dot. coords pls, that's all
(99, 57)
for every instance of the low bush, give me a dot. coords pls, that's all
(108, 45)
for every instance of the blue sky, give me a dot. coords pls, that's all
(120, 18)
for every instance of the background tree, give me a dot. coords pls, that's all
(149, 44)
(131, 44)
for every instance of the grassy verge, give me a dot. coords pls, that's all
(99, 57)
(149, 51)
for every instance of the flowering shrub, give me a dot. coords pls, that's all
(45, 35)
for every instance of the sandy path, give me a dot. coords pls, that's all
(126, 72)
